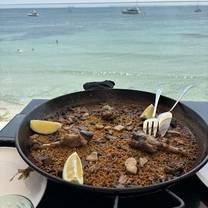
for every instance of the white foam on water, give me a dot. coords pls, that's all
(8, 111)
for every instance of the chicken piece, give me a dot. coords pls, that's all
(151, 145)
(73, 140)
(174, 169)
(139, 141)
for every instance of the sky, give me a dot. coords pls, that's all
(94, 3)
(80, 1)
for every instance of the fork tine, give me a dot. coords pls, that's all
(150, 126)
(145, 126)
(150, 123)
(155, 127)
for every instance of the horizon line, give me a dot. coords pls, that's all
(104, 4)
(116, 2)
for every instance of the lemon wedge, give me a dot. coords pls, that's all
(44, 127)
(147, 113)
(73, 171)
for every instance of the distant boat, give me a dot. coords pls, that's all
(133, 10)
(34, 13)
(197, 10)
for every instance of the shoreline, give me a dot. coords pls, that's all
(3, 124)
(8, 111)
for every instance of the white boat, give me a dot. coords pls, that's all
(34, 13)
(133, 10)
(197, 10)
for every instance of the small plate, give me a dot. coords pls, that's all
(203, 174)
(32, 187)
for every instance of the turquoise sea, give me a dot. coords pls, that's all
(166, 46)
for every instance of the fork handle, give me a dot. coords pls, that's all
(157, 97)
(181, 96)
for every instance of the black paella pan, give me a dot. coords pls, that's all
(98, 95)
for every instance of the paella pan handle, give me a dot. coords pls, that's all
(180, 201)
(115, 205)
(8, 133)
(7, 142)
(104, 85)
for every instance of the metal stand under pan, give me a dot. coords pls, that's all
(174, 201)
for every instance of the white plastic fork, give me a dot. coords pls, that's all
(166, 117)
(152, 124)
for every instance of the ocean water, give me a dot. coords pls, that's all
(165, 46)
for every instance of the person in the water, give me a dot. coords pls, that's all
(19, 50)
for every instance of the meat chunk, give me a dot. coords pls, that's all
(87, 134)
(149, 144)
(70, 140)
(107, 108)
(139, 141)
(73, 140)
(92, 157)
(142, 161)
(99, 126)
(131, 165)
(118, 128)
(46, 160)
(107, 113)
(123, 179)
(175, 169)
